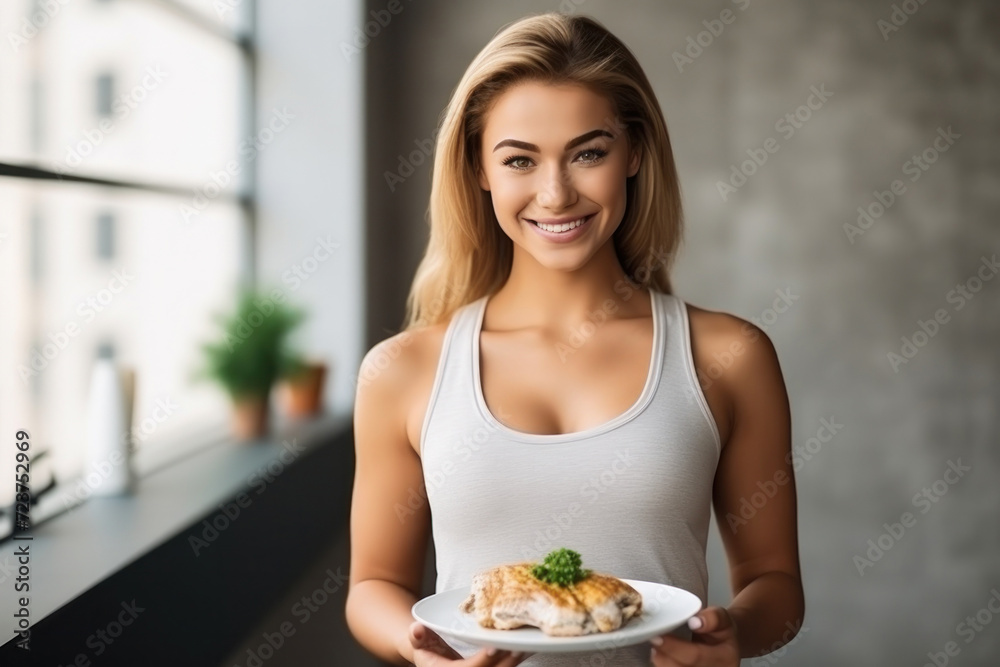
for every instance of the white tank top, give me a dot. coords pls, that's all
(631, 495)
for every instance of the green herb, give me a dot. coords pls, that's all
(561, 567)
(253, 350)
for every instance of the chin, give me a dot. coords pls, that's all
(566, 264)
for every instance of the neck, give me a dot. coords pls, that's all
(537, 296)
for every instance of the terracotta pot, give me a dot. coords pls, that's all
(302, 395)
(250, 417)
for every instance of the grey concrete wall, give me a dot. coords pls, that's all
(309, 179)
(853, 296)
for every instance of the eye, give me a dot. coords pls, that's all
(592, 155)
(518, 162)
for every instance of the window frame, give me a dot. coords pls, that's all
(244, 39)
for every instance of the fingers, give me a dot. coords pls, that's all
(712, 642)
(419, 635)
(675, 652)
(425, 658)
(435, 652)
(660, 660)
(710, 619)
(425, 639)
(489, 657)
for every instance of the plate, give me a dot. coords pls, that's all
(664, 608)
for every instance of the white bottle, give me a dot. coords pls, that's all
(108, 470)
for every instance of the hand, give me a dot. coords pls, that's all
(429, 650)
(713, 643)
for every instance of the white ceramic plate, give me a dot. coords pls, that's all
(664, 608)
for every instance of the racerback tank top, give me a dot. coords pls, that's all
(631, 495)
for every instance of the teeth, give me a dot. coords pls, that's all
(565, 227)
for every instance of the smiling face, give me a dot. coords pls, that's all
(551, 156)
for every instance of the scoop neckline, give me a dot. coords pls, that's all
(652, 378)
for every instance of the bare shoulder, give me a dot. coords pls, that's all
(389, 360)
(720, 329)
(398, 373)
(734, 361)
(389, 532)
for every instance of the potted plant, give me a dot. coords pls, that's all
(301, 390)
(252, 355)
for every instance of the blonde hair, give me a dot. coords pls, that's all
(468, 255)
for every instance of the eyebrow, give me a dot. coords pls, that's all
(583, 138)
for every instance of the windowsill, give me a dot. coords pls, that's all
(69, 494)
(78, 549)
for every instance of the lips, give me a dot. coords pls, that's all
(561, 226)
(575, 228)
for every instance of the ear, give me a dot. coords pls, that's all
(635, 159)
(483, 182)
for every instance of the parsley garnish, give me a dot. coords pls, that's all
(560, 567)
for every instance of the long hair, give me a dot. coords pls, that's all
(468, 255)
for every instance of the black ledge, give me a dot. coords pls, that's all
(143, 580)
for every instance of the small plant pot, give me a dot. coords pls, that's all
(250, 417)
(302, 394)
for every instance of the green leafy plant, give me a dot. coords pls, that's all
(561, 567)
(254, 351)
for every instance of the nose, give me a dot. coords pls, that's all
(556, 191)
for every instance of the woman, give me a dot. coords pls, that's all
(549, 391)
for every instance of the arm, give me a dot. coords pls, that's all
(387, 548)
(750, 405)
(756, 463)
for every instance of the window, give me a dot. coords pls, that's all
(106, 350)
(105, 90)
(36, 119)
(35, 252)
(116, 114)
(105, 236)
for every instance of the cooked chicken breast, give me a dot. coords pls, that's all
(508, 597)
(609, 600)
